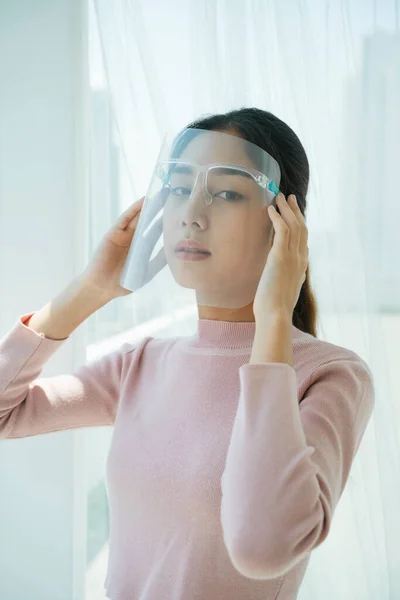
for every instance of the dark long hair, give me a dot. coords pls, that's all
(275, 137)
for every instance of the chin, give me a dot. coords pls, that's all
(189, 280)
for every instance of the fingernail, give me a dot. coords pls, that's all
(295, 200)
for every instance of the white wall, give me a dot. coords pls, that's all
(43, 204)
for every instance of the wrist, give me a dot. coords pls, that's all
(91, 290)
(276, 318)
(273, 340)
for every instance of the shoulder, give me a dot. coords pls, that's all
(327, 371)
(313, 357)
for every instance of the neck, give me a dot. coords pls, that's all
(239, 315)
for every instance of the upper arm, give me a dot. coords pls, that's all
(87, 397)
(32, 405)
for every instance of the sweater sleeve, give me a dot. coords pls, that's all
(31, 406)
(288, 463)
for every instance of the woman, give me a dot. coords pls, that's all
(231, 448)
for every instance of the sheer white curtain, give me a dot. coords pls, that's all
(332, 72)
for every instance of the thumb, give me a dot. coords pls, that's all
(272, 237)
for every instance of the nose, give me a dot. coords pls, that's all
(195, 208)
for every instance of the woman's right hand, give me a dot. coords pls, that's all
(105, 268)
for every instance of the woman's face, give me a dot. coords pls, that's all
(235, 228)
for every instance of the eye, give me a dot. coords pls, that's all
(180, 191)
(230, 195)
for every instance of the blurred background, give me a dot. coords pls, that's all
(87, 91)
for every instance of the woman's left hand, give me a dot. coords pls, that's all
(285, 270)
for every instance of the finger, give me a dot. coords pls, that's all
(132, 225)
(130, 213)
(291, 220)
(303, 248)
(286, 210)
(281, 229)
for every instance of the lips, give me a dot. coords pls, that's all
(191, 246)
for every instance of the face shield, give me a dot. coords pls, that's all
(204, 223)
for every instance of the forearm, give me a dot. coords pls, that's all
(62, 315)
(273, 341)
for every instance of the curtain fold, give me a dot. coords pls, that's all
(332, 72)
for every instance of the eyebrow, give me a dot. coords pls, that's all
(223, 170)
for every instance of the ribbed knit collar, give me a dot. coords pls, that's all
(226, 334)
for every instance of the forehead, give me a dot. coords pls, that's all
(215, 147)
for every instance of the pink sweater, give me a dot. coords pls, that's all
(222, 476)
